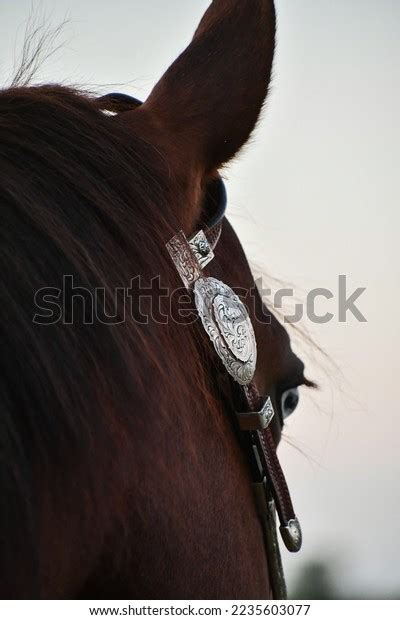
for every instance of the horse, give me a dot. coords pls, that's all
(121, 473)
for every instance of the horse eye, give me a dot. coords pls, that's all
(290, 400)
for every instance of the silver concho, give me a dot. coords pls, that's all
(226, 321)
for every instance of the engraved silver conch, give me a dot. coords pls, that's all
(224, 316)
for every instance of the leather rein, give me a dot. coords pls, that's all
(225, 319)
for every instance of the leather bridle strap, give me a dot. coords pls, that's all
(265, 446)
(263, 443)
(213, 235)
(227, 323)
(270, 490)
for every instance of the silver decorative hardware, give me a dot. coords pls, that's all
(227, 323)
(292, 536)
(201, 249)
(185, 261)
(224, 316)
(257, 420)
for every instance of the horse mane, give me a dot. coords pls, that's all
(81, 197)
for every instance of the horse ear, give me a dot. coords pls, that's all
(208, 101)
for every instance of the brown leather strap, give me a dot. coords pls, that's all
(213, 234)
(259, 442)
(270, 461)
(266, 449)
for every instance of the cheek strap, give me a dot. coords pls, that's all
(227, 323)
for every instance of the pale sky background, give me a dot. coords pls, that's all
(315, 195)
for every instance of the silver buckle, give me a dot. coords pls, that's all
(257, 420)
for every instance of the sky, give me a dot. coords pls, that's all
(315, 196)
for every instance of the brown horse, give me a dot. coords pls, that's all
(120, 472)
